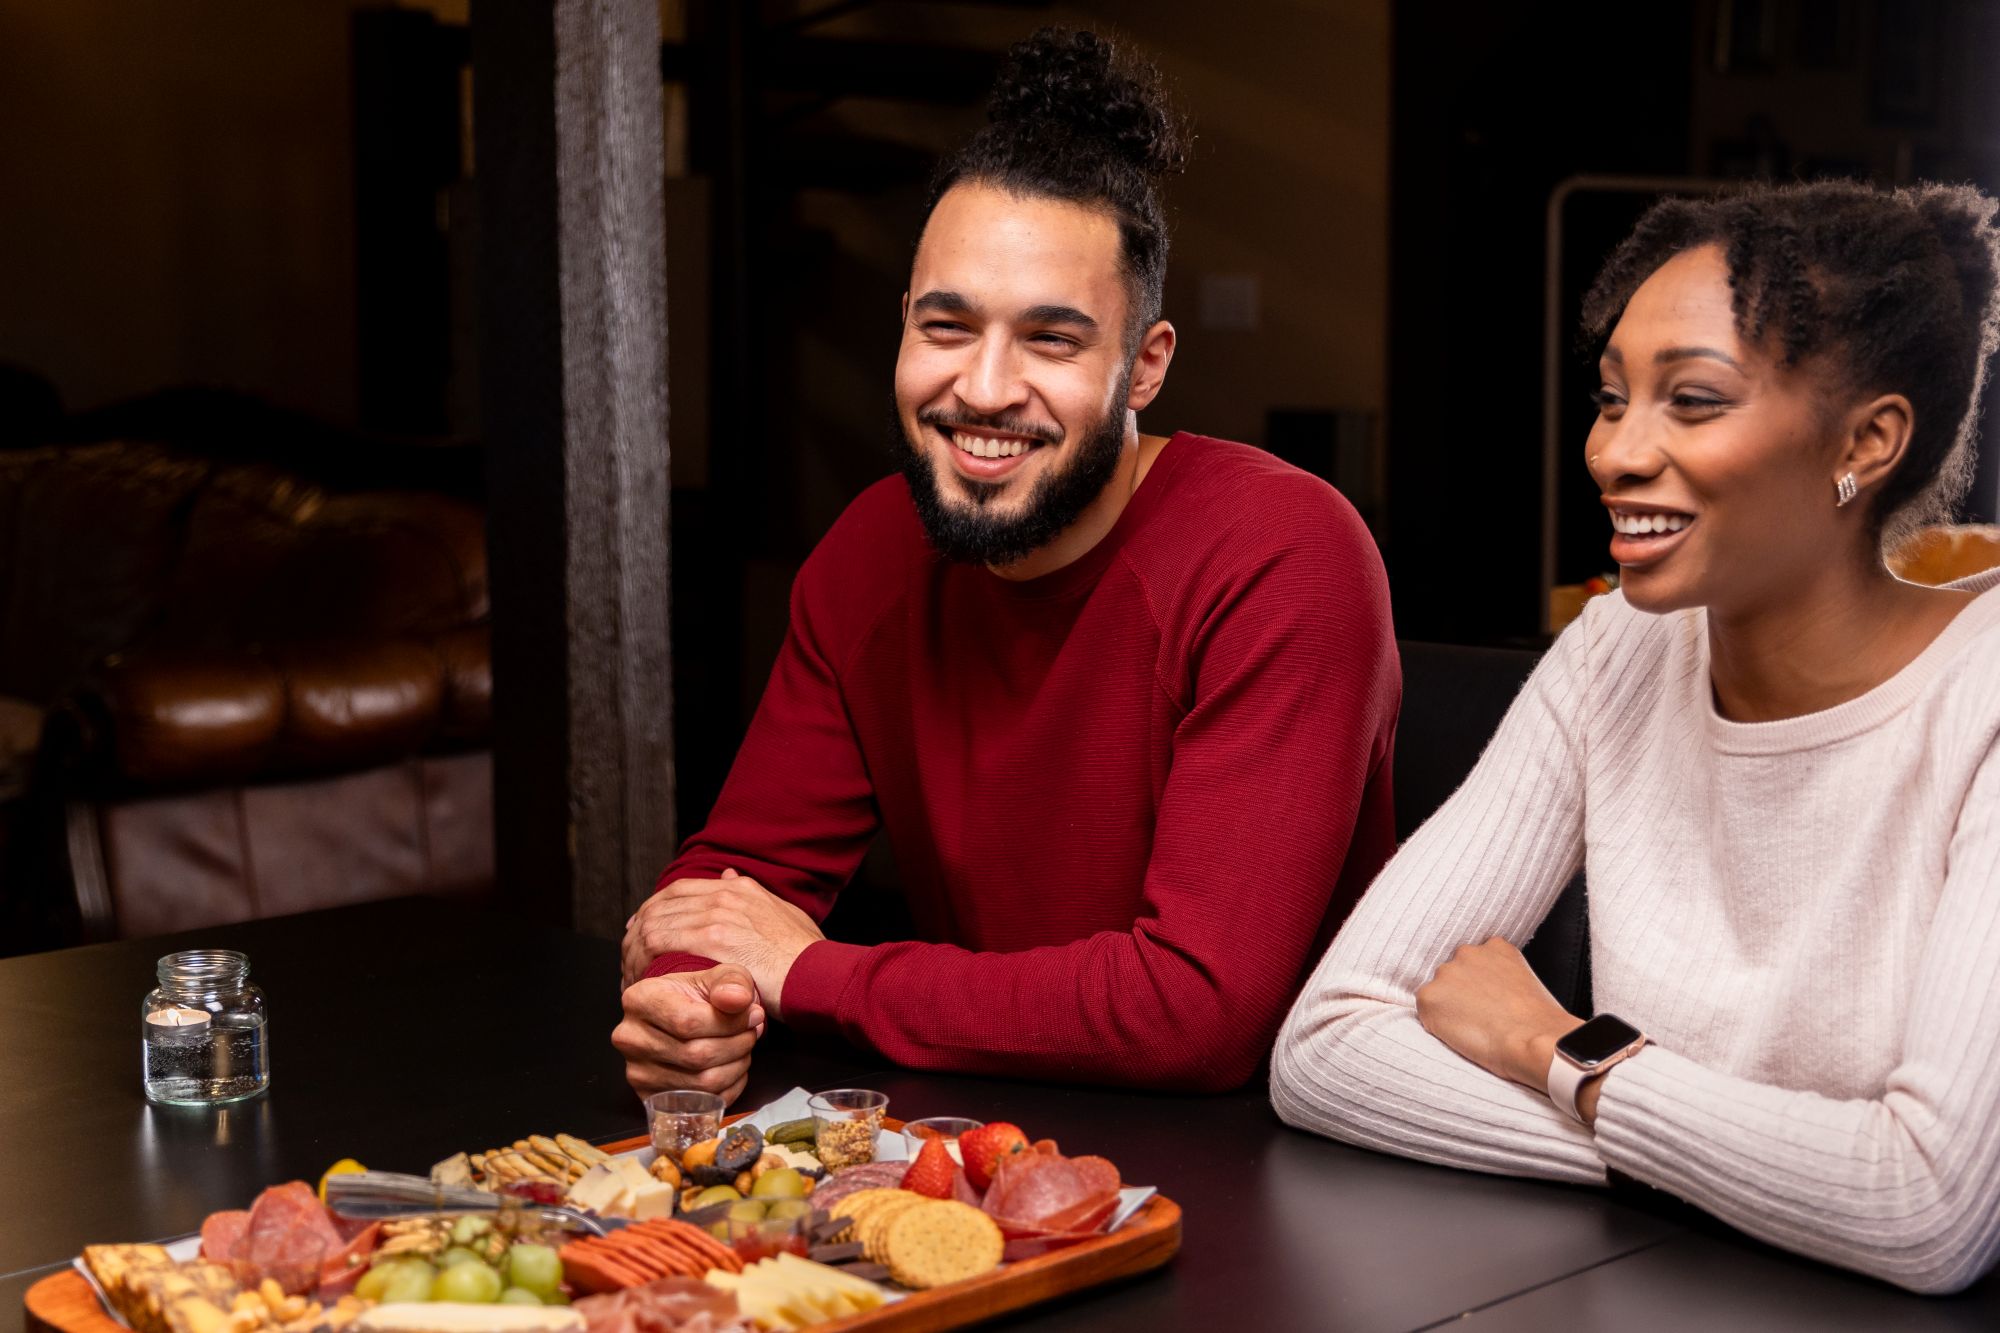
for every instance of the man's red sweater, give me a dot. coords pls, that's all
(1129, 800)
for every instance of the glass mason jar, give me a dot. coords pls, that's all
(206, 1031)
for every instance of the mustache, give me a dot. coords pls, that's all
(1005, 425)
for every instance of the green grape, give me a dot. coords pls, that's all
(407, 1282)
(458, 1254)
(372, 1282)
(470, 1228)
(519, 1296)
(468, 1280)
(534, 1268)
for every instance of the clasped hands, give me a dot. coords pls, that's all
(697, 1029)
(1488, 1005)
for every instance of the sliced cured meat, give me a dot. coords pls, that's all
(1027, 1247)
(1088, 1215)
(964, 1190)
(1043, 1201)
(221, 1234)
(295, 1207)
(868, 1176)
(289, 1239)
(671, 1305)
(1044, 1192)
(338, 1274)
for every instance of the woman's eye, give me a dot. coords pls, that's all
(1687, 402)
(1606, 400)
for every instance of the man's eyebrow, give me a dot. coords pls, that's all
(1059, 314)
(943, 303)
(1670, 354)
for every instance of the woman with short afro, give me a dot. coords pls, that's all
(1778, 764)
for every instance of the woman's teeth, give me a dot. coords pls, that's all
(981, 446)
(1639, 525)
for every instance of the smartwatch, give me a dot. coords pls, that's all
(1586, 1053)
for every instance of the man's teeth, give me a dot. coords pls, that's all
(983, 446)
(1638, 525)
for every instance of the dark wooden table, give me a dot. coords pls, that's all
(402, 1032)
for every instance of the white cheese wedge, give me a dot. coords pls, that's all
(599, 1189)
(634, 1176)
(450, 1317)
(654, 1200)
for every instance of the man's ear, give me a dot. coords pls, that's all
(1149, 367)
(1878, 435)
(905, 317)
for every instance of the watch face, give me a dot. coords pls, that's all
(1599, 1039)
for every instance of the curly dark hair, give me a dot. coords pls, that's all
(1074, 116)
(1890, 291)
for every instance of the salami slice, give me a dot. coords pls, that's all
(221, 1234)
(289, 1238)
(341, 1271)
(1041, 1193)
(868, 1176)
(676, 1304)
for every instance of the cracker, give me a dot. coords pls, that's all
(940, 1241)
(856, 1208)
(877, 1226)
(587, 1153)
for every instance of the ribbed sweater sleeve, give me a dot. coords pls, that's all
(1901, 1186)
(1352, 1061)
(1803, 914)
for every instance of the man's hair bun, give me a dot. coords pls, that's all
(1062, 83)
(1076, 117)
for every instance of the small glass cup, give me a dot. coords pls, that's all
(946, 1127)
(845, 1123)
(678, 1120)
(761, 1239)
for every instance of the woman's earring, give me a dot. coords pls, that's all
(1844, 490)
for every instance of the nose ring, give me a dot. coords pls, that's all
(1594, 458)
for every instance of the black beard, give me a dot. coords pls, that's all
(970, 535)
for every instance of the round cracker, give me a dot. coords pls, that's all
(859, 1206)
(877, 1226)
(941, 1242)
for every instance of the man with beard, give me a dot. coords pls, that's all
(1122, 703)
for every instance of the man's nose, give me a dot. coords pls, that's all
(990, 382)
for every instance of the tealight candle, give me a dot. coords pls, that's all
(206, 1031)
(179, 1020)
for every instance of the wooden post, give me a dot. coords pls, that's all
(573, 401)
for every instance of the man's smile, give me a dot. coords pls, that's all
(983, 454)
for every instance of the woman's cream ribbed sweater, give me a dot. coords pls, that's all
(1803, 915)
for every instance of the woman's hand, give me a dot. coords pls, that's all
(1487, 1004)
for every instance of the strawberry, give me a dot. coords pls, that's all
(930, 1174)
(983, 1148)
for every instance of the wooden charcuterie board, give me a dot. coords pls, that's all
(64, 1302)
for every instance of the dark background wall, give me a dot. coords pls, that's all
(275, 198)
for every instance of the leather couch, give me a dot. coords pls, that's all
(264, 687)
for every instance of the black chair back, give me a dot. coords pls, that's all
(1453, 700)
